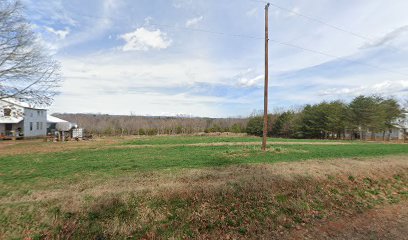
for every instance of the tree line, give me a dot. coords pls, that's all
(362, 118)
(325, 120)
(114, 125)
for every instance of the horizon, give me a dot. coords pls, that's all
(205, 58)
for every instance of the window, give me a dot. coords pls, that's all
(31, 126)
(7, 112)
(41, 125)
(38, 126)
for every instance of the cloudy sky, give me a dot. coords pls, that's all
(205, 57)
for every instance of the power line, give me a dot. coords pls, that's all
(261, 38)
(317, 20)
(288, 45)
(208, 31)
(337, 57)
(314, 19)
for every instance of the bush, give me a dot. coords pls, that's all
(255, 126)
(179, 130)
(237, 128)
(152, 132)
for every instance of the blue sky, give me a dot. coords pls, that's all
(144, 56)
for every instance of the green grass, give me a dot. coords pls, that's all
(244, 209)
(23, 172)
(233, 207)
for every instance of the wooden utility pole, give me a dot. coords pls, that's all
(265, 125)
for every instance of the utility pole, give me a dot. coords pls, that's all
(265, 125)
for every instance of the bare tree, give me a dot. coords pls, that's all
(27, 71)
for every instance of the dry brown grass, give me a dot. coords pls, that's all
(389, 222)
(188, 179)
(10, 148)
(238, 201)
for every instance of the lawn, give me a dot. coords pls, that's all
(152, 184)
(26, 171)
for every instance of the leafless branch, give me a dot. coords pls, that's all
(27, 71)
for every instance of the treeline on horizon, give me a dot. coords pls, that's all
(113, 125)
(326, 120)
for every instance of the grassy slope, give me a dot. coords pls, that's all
(23, 174)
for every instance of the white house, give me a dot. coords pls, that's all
(21, 120)
(402, 125)
(399, 131)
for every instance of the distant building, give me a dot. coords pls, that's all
(401, 127)
(52, 123)
(399, 131)
(21, 120)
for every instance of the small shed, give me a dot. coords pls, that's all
(63, 129)
(52, 123)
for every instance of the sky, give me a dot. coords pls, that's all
(206, 57)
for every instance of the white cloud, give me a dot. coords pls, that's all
(389, 37)
(248, 78)
(250, 82)
(142, 40)
(61, 34)
(382, 88)
(196, 58)
(81, 28)
(146, 86)
(194, 21)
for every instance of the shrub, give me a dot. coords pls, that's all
(255, 126)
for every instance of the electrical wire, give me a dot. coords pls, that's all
(366, 39)
(287, 44)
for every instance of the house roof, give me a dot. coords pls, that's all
(402, 122)
(52, 119)
(20, 103)
(11, 119)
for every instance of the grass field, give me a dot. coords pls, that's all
(138, 187)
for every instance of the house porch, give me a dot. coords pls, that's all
(10, 131)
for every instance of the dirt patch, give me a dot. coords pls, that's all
(388, 222)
